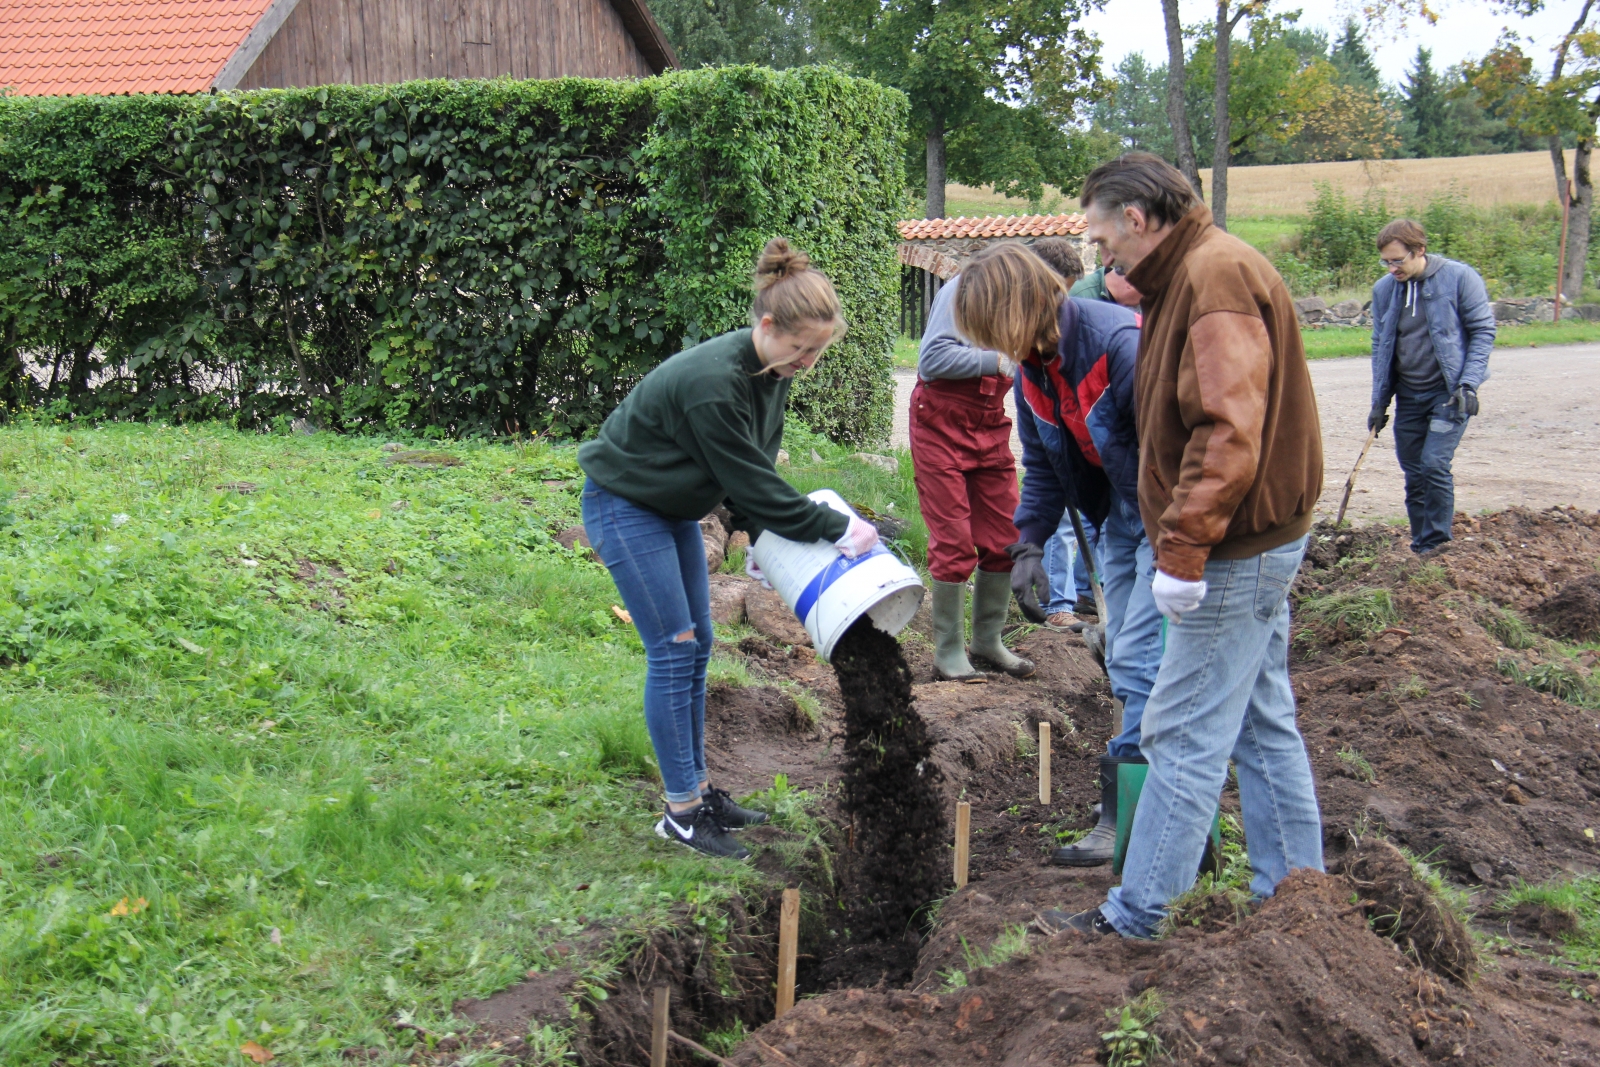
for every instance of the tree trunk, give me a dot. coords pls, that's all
(1177, 115)
(1559, 161)
(935, 168)
(1578, 226)
(1222, 147)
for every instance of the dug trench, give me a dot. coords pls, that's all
(1443, 705)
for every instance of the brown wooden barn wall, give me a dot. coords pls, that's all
(364, 42)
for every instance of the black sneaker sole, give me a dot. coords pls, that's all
(667, 835)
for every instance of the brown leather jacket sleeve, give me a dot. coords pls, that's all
(1222, 394)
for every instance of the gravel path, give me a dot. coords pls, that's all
(1536, 442)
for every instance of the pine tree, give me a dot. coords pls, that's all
(1352, 59)
(1427, 110)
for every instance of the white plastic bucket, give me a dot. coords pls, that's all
(829, 592)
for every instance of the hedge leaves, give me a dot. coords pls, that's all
(438, 257)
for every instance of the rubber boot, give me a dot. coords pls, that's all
(950, 662)
(991, 599)
(1097, 846)
(1130, 783)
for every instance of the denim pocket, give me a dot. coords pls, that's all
(1278, 568)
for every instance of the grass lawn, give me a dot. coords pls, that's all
(293, 743)
(1338, 341)
(905, 353)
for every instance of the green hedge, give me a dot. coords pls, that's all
(438, 257)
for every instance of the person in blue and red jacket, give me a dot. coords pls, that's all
(1074, 391)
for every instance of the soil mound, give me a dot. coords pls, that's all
(891, 785)
(1302, 981)
(1404, 909)
(1573, 614)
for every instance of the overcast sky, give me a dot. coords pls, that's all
(1466, 30)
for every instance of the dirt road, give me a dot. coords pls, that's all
(1536, 442)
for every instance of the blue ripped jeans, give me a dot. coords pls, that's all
(1222, 691)
(1426, 432)
(659, 565)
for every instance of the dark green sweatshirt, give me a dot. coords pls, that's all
(702, 427)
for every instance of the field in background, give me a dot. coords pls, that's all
(1485, 181)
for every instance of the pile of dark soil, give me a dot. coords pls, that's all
(1573, 614)
(891, 789)
(1402, 908)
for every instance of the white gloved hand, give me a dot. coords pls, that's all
(1175, 597)
(753, 571)
(860, 537)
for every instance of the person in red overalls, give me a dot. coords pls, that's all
(966, 482)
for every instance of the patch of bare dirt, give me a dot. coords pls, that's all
(1573, 613)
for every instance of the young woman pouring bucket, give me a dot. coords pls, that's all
(701, 429)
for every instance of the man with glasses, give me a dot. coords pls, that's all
(1432, 330)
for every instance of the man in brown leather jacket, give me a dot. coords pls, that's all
(1230, 467)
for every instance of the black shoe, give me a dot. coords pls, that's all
(700, 829)
(1090, 923)
(730, 814)
(1086, 606)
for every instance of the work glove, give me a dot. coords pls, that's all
(1377, 418)
(1175, 597)
(1029, 580)
(753, 571)
(1465, 400)
(860, 537)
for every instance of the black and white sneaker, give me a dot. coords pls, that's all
(731, 815)
(701, 830)
(1091, 923)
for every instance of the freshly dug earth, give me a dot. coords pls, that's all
(1420, 733)
(1573, 614)
(891, 786)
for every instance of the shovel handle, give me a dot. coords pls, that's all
(1350, 482)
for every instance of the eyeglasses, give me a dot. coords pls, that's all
(1390, 264)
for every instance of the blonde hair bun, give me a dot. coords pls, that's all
(779, 261)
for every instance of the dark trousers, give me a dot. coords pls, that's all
(1426, 433)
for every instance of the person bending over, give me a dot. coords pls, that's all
(703, 428)
(966, 483)
(1230, 467)
(1432, 332)
(1080, 449)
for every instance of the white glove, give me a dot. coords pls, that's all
(753, 571)
(1175, 597)
(859, 538)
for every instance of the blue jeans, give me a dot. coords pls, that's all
(1133, 625)
(1223, 689)
(1426, 433)
(659, 565)
(1069, 575)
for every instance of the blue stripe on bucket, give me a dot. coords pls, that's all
(826, 577)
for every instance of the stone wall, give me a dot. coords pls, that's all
(1521, 311)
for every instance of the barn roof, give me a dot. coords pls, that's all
(61, 47)
(71, 47)
(993, 226)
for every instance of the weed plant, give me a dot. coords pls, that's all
(351, 741)
(1358, 765)
(1508, 628)
(1360, 612)
(1012, 942)
(1577, 897)
(1562, 679)
(1132, 1043)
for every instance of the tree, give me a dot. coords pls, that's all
(1353, 122)
(1177, 111)
(1427, 110)
(1566, 103)
(955, 59)
(1351, 58)
(1222, 143)
(714, 33)
(1134, 107)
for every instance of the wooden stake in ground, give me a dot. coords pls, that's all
(788, 939)
(1044, 764)
(658, 1027)
(963, 829)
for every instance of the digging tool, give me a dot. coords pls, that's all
(1350, 482)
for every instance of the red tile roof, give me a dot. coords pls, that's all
(62, 47)
(993, 226)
